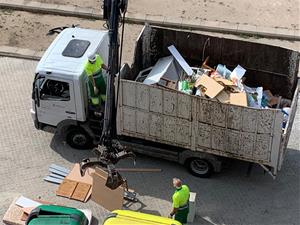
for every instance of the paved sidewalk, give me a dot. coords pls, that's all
(22, 53)
(141, 16)
(275, 13)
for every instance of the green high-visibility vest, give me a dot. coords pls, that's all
(181, 196)
(95, 70)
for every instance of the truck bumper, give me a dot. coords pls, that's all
(34, 118)
(32, 112)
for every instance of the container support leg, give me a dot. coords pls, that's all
(268, 171)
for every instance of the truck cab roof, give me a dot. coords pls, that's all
(68, 52)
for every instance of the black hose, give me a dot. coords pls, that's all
(120, 61)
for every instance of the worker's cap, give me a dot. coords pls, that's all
(92, 57)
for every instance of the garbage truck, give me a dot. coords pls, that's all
(194, 131)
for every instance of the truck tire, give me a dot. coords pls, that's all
(79, 139)
(199, 167)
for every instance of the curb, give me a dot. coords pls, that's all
(136, 18)
(21, 53)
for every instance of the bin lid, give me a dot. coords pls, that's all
(137, 218)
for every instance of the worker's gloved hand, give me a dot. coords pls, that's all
(96, 91)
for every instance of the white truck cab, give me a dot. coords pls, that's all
(59, 90)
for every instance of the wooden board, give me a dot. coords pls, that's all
(87, 178)
(81, 191)
(66, 188)
(142, 170)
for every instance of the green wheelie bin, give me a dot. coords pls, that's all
(53, 214)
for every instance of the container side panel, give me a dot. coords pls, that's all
(219, 114)
(129, 90)
(142, 123)
(249, 120)
(203, 135)
(218, 138)
(233, 141)
(194, 124)
(184, 132)
(263, 69)
(248, 141)
(290, 121)
(276, 141)
(169, 129)
(262, 150)
(234, 118)
(156, 125)
(142, 97)
(209, 126)
(288, 128)
(169, 103)
(129, 119)
(156, 100)
(204, 111)
(184, 106)
(265, 121)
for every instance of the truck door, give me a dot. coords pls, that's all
(56, 101)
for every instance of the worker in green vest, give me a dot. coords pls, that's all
(180, 201)
(96, 83)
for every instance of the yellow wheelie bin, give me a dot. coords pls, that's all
(127, 217)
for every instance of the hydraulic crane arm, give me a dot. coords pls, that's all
(109, 150)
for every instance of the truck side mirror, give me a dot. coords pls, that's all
(37, 85)
(37, 96)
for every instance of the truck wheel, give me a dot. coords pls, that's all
(77, 138)
(199, 167)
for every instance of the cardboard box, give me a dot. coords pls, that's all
(223, 97)
(224, 81)
(238, 99)
(13, 215)
(104, 196)
(213, 88)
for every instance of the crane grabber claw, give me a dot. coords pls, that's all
(107, 160)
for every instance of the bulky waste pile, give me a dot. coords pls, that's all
(217, 83)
